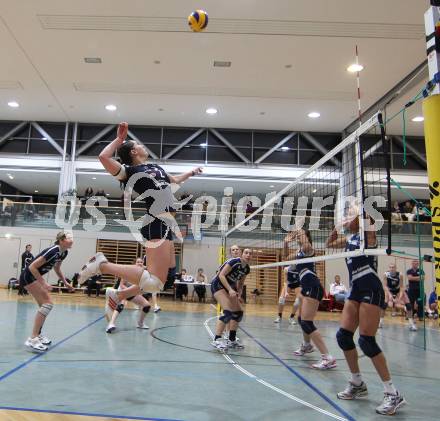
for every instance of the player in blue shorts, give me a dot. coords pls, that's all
(362, 310)
(311, 294)
(226, 288)
(32, 279)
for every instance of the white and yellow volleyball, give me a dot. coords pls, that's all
(198, 20)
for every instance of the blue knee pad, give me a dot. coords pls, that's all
(227, 316)
(345, 339)
(237, 316)
(308, 326)
(369, 346)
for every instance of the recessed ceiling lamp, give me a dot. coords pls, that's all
(93, 60)
(111, 107)
(220, 63)
(314, 191)
(93, 178)
(13, 104)
(211, 111)
(10, 176)
(35, 191)
(355, 67)
(313, 114)
(418, 119)
(272, 186)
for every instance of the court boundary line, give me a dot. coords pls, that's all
(85, 414)
(301, 377)
(270, 386)
(35, 357)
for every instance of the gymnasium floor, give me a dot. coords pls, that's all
(171, 373)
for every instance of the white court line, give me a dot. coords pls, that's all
(270, 386)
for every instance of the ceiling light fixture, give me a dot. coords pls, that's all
(8, 235)
(313, 114)
(10, 176)
(35, 191)
(314, 191)
(418, 119)
(272, 186)
(211, 111)
(13, 104)
(111, 107)
(93, 60)
(93, 178)
(203, 144)
(219, 63)
(285, 148)
(355, 68)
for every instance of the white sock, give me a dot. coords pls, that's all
(306, 343)
(411, 321)
(381, 319)
(389, 387)
(356, 379)
(327, 357)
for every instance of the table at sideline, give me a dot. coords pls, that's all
(191, 291)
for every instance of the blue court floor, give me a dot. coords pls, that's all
(171, 373)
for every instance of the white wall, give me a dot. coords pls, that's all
(202, 254)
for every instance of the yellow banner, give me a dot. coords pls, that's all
(431, 111)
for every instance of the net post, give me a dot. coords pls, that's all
(386, 147)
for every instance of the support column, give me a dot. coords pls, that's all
(431, 112)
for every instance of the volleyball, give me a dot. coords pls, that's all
(198, 20)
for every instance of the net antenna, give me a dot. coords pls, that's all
(349, 182)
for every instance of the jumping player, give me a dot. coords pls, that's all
(153, 184)
(311, 294)
(362, 310)
(226, 288)
(32, 279)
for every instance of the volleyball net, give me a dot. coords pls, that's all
(352, 180)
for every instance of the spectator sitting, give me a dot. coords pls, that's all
(93, 283)
(200, 289)
(29, 211)
(338, 291)
(100, 193)
(182, 290)
(75, 282)
(88, 193)
(433, 305)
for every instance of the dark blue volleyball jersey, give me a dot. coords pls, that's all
(239, 270)
(300, 267)
(358, 263)
(413, 284)
(293, 272)
(52, 256)
(393, 282)
(157, 179)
